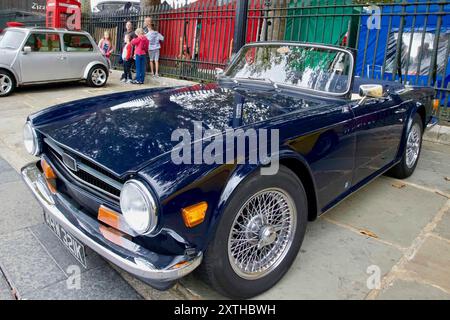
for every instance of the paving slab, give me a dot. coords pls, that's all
(18, 208)
(7, 173)
(5, 290)
(393, 214)
(433, 167)
(96, 284)
(332, 264)
(443, 227)
(432, 263)
(27, 263)
(60, 254)
(411, 290)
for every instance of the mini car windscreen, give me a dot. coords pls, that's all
(11, 39)
(313, 68)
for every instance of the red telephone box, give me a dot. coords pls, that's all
(64, 14)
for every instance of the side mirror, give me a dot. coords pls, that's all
(371, 90)
(26, 50)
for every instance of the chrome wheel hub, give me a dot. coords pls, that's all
(267, 236)
(99, 77)
(262, 233)
(413, 145)
(5, 84)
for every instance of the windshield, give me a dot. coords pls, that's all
(307, 67)
(10, 39)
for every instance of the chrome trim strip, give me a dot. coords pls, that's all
(123, 253)
(86, 168)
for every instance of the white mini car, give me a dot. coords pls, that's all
(44, 55)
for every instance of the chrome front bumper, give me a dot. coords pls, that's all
(118, 250)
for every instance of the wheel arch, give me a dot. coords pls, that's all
(16, 79)
(288, 159)
(420, 109)
(91, 65)
(417, 108)
(303, 172)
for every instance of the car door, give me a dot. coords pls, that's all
(79, 51)
(379, 125)
(46, 61)
(332, 153)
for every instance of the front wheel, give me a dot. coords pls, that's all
(259, 235)
(7, 83)
(411, 152)
(97, 77)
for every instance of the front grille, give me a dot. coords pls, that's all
(88, 174)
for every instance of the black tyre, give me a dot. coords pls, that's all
(411, 152)
(97, 77)
(259, 235)
(7, 83)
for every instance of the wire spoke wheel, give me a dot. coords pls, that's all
(262, 233)
(413, 145)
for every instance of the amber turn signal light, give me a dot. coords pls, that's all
(50, 176)
(195, 214)
(48, 171)
(109, 217)
(435, 104)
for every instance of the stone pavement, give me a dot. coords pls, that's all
(397, 229)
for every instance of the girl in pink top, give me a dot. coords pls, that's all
(106, 46)
(140, 48)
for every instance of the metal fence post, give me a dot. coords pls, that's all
(240, 25)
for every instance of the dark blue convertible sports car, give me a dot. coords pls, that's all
(225, 176)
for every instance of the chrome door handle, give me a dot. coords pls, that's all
(402, 110)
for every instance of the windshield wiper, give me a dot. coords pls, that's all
(267, 80)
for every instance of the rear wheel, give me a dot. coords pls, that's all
(7, 83)
(97, 77)
(411, 152)
(259, 235)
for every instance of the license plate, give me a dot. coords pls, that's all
(70, 242)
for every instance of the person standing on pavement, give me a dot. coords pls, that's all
(129, 32)
(147, 24)
(106, 46)
(141, 48)
(127, 57)
(154, 38)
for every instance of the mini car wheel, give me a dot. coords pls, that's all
(7, 83)
(411, 152)
(259, 235)
(97, 77)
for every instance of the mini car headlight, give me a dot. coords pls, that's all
(138, 207)
(30, 140)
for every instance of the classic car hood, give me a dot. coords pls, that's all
(124, 131)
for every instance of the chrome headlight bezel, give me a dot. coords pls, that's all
(149, 218)
(31, 140)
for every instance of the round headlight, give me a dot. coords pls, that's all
(30, 140)
(138, 207)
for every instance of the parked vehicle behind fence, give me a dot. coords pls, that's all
(41, 55)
